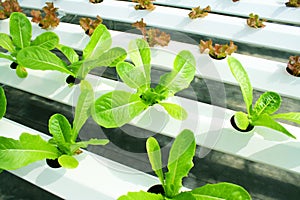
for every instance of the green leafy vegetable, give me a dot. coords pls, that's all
(262, 114)
(83, 108)
(68, 162)
(221, 191)
(154, 155)
(2, 102)
(62, 146)
(141, 195)
(268, 102)
(21, 72)
(70, 53)
(6, 42)
(97, 53)
(100, 41)
(242, 78)
(241, 120)
(174, 110)
(109, 110)
(37, 49)
(20, 30)
(29, 148)
(291, 116)
(38, 58)
(47, 40)
(180, 163)
(117, 108)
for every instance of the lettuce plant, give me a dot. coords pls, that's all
(144, 5)
(47, 20)
(118, 107)
(255, 22)
(2, 102)
(20, 38)
(198, 12)
(89, 25)
(262, 113)
(8, 7)
(97, 53)
(217, 51)
(293, 3)
(293, 66)
(180, 163)
(62, 146)
(153, 36)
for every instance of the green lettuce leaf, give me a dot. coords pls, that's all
(131, 75)
(291, 116)
(85, 144)
(241, 120)
(109, 58)
(29, 148)
(174, 110)
(46, 40)
(3, 103)
(154, 155)
(140, 54)
(267, 121)
(6, 42)
(68, 162)
(221, 191)
(180, 162)
(83, 107)
(20, 30)
(60, 129)
(99, 42)
(7, 56)
(21, 72)
(267, 103)
(182, 74)
(242, 78)
(116, 108)
(69, 52)
(38, 58)
(141, 195)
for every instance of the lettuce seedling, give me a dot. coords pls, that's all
(217, 51)
(262, 113)
(198, 12)
(293, 66)
(293, 3)
(255, 22)
(144, 5)
(8, 7)
(20, 38)
(118, 107)
(62, 146)
(97, 53)
(2, 102)
(180, 163)
(153, 36)
(89, 25)
(47, 20)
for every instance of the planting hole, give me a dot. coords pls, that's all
(291, 72)
(53, 163)
(232, 121)
(157, 189)
(72, 80)
(13, 65)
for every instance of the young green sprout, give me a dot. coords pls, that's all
(263, 111)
